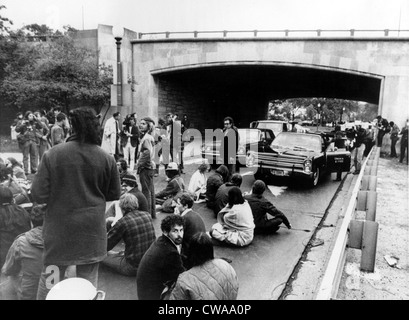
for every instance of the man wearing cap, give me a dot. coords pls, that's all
(267, 218)
(145, 164)
(175, 186)
(129, 185)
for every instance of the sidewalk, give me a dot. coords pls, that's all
(387, 282)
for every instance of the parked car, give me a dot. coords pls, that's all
(247, 137)
(276, 126)
(298, 155)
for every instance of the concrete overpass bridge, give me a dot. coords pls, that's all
(211, 77)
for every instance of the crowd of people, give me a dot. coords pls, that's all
(60, 223)
(62, 226)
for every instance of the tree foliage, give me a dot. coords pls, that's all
(330, 109)
(51, 71)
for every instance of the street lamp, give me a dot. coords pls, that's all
(318, 114)
(118, 34)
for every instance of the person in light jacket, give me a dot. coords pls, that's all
(110, 137)
(209, 278)
(235, 224)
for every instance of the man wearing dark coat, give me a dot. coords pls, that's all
(222, 194)
(162, 263)
(213, 183)
(75, 179)
(193, 223)
(267, 217)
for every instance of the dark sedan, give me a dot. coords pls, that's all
(298, 155)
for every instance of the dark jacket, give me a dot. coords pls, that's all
(134, 131)
(31, 130)
(231, 137)
(160, 264)
(25, 261)
(75, 180)
(174, 186)
(193, 224)
(143, 203)
(14, 220)
(222, 196)
(260, 206)
(214, 182)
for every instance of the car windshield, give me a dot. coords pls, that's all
(277, 127)
(249, 135)
(294, 141)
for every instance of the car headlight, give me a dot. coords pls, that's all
(251, 159)
(307, 166)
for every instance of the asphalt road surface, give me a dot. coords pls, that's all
(263, 267)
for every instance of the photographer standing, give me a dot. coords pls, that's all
(31, 131)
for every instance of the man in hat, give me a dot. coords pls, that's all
(175, 186)
(145, 164)
(129, 185)
(267, 217)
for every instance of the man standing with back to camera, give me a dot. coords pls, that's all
(75, 179)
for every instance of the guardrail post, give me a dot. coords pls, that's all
(368, 183)
(195, 34)
(224, 33)
(369, 242)
(319, 32)
(286, 32)
(386, 32)
(255, 33)
(352, 32)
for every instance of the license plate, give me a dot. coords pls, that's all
(277, 172)
(339, 160)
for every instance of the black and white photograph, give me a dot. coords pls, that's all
(238, 150)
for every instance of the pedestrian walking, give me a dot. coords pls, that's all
(394, 138)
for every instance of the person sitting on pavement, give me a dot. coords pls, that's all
(267, 218)
(17, 167)
(197, 183)
(14, 220)
(20, 188)
(162, 263)
(235, 223)
(24, 260)
(220, 176)
(136, 230)
(129, 185)
(167, 197)
(222, 197)
(193, 223)
(209, 278)
(123, 169)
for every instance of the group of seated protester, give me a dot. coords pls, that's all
(12, 176)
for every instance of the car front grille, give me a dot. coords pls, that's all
(281, 161)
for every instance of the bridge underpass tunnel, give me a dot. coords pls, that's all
(208, 94)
